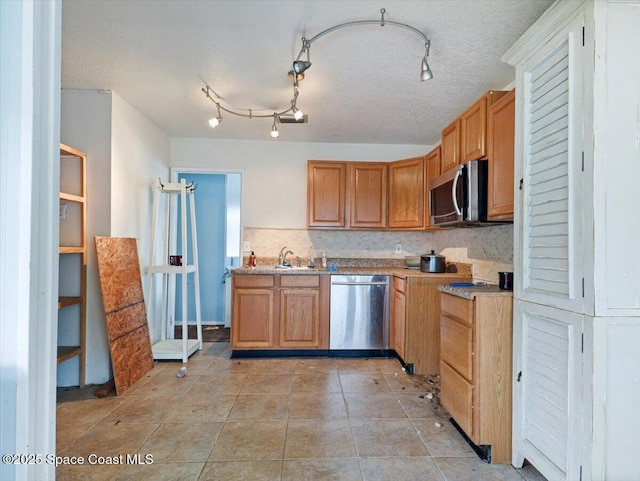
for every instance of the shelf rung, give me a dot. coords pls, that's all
(71, 250)
(66, 301)
(67, 352)
(71, 197)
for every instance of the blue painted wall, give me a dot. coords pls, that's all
(211, 212)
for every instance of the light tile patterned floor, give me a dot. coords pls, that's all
(272, 420)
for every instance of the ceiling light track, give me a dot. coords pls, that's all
(297, 74)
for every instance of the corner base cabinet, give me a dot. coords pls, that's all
(475, 368)
(415, 320)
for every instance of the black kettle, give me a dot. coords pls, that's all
(432, 262)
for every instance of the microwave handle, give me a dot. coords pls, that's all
(454, 192)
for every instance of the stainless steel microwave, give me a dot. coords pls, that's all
(459, 196)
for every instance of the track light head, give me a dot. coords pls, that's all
(297, 113)
(215, 121)
(300, 66)
(274, 130)
(425, 71)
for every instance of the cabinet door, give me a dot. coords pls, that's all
(300, 318)
(549, 253)
(450, 146)
(406, 194)
(473, 131)
(326, 186)
(367, 195)
(252, 318)
(433, 160)
(398, 323)
(501, 153)
(547, 389)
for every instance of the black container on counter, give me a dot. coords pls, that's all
(505, 281)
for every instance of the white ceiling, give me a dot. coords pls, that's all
(363, 86)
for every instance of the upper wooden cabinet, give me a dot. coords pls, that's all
(501, 157)
(326, 191)
(473, 127)
(367, 195)
(450, 154)
(433, 161)
(407, 187)
(347, 195)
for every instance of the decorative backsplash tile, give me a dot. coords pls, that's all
(488, 249)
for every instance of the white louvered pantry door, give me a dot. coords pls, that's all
(549, 303)
(549, 254)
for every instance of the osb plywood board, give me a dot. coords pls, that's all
(126, 317)
(118, 260)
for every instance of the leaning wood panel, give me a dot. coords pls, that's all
(119, 272)
(131, 358)
(126, 318)
(123, 321)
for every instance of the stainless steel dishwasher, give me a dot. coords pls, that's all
(359, 314)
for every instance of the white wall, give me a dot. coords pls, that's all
(139, 155)
(86, 125)
(125, 152)
(275, 173)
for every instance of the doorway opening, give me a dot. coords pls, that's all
(218, 199)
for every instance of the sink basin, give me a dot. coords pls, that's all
(294, 268)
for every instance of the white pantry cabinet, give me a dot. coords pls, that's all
(577, 291)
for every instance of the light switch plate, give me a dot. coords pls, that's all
(398, 248)
(246, 246)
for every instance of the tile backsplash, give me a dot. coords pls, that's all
(488, 249)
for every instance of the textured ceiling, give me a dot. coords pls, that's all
(363, 86)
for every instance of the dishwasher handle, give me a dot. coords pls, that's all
(380, 283)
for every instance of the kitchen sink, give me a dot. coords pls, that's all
(294, 268)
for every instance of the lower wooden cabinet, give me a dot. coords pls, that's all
(415, 320)
(475, 369)
(280, 311)
(398, 316)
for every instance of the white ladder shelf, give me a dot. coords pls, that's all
(168, 347)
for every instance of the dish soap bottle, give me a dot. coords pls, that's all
(252, 260)
(324, 260)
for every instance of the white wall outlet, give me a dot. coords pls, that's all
(246, 246)
(398, 248)
(63, 211)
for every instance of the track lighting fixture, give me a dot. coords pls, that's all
(215, 121)
(300, 66)
(297, 74)
(297, 113)
(425, 71)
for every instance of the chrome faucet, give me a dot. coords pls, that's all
(282, 257)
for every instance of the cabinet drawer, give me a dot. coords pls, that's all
(254, 280)
(456, 346)
(400, 284)
(458, 307)
(457, 397)
(299, 280)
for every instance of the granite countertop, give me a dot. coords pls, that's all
(386, 271)
(469, 292)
